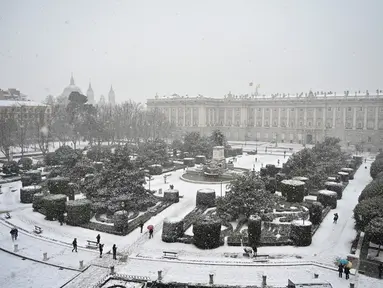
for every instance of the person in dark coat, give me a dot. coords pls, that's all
(13, 231)
(114, 250)
(380, 268)
(98, 239)
(255, 250)
(16, 233)
(101, 248)
(336, 216)
(151, 232)
(347, 272)
(74, 243)
(141, 225)
(340, 270)
(61, 218)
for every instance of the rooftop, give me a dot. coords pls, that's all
(13, 103)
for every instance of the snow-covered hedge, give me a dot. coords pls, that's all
(59, 185)
(300, 232)
(25, 163)
(315, 211)
(190, 162)
(254, 225)
(344, 176)
(350, 172)
(375, 169)
(120, 219)
(172, 229)
(171, 195)
(304, 180)
(37, 201)
(263, 172)
(78, 212)
(336, 187)
(35, 176)
(26, 193)
(327, 198)
(200, 159)
(271, 170)
(53, 205)
(293, 190)
(11, 167)
(155, 169)
(98, 166)
(72, 187)
(205, 197)
(206, 233)
(373, 189)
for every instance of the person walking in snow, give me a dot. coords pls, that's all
(101, 248)
(74, 243)
(336, 216)
(114, 250)
(98, 237)
(340, 270)
(151, 232)
(16, 233)
(380, 269)
(60, 217)
(13, 231)
(347, 272)
(141, 225)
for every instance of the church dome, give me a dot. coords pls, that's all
(71, 88)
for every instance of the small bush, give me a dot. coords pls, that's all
(376, 168)
(207, 233)
(78, 212)
(59, 185)
(54, 205)
(10, 167)
(25, 163)
(373, 189)
(367, 210)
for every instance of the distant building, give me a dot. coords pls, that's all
(111, 96)
(12, 94)
(90, 95)
(305, 119)
(70, 88)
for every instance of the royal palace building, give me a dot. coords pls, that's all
(304, 118)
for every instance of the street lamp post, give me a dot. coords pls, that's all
(221, 188)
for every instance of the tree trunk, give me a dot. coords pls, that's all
(377, 254)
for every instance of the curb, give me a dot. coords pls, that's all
(203, 182)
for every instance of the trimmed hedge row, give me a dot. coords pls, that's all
(205, 197)
(300, 232)
(26, 193)
(59, 185)
(172, 229)
(54, 205)
(293, 190)
(207, 233)
(327, 198)
(78, 212)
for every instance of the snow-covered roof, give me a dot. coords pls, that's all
(11, 103)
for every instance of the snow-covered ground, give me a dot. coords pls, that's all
(330, 241)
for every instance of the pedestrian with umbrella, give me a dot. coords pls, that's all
(151, 229)
(340, 270)
(347, 271)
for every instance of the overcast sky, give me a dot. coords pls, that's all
(190, 47)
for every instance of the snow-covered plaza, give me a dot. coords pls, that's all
(331, 241)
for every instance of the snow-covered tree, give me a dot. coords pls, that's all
(374, 231)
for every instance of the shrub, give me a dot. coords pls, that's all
(37, 201)
(173, 229)
(59, 185)
(293, 190)
(205, 197)
(315, 210)
(271, 170)
(25, 163)
(99, 153)
(379, 156)
(189, 162)
(300, 232)
(26, 193)
(54, 205)
(171, 195)
(254, 230)
(336, 187)
(327, 198)
(207, 233)
(367, 210)
(78, 212)
(155, 169)
(235, 239)
(373, 189)
(120, 219)
(10, 167)
(35, 176)
(64, 155)
(376, 168)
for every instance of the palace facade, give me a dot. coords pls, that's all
(305, 119)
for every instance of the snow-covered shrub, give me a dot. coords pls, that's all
(155, 169)
(350, 172)
(270, 184)
(254, 225)
(190, 162)
(200, 159)
(26, 193)
(26, 180)
(172, 229)
(98, 153)
(25, 163)
(120, 219)
(373, 189)
(59, 185)
(10, 167)
(207, 232)
(235, 239)
(375, 169)
(304, 180)
(358, 159)
(78, 212)
(271, 170)
(315, 210)
(171, 195)
(205, 197)
(37, 201)
(344, 176)
(35, 176)
(53, 205)
(72, 188)
(293, 190)
(263, 172)
(64, 155)
(327, 198)
(300, 232)
(336, 187)
(98, 166)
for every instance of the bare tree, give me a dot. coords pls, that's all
(7, 136)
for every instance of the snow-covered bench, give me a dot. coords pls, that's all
(170, 255)
(38, 230)
(92, 244)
